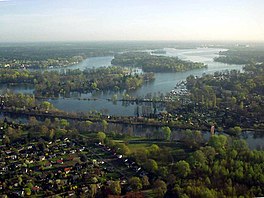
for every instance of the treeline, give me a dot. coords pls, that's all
(241, 56)
(41, 64)
(221, 167)
(153, 63)
(52, 83)
(45, 55)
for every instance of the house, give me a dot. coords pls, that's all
(60, 161)
(67, 170)
(35, 188)
(48, 164)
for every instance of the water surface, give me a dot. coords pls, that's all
(163, 83)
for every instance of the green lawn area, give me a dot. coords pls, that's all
(134, 147)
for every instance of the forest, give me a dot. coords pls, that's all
(154, 63)
(237, 96)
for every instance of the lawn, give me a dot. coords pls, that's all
(137, 146)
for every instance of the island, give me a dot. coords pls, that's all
(154, 63)
(239, 55)
(53, 83)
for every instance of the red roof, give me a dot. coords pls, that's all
(67, 169)
(35, 188)
(59, 161)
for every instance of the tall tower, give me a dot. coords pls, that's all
(212, 130)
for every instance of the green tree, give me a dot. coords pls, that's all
(141, 155)
(182, 169)
(64, 123)
(101, 136)
(47, 122)
(6, 140)
(20, 180)
(192, 139)
(154, 150)
(44, 131)
(198, 159)
(235, 131)
(27, 191)
(145, 181)
(160, 188)
(94, 86)
(123, 149)
(151, 165)
(240, 145)
(115, 187)
(104, 125)
(47, 105)
(51, 134)
(166, 132)
(93, 188)
(33, 121)
(114, 98)
(13, 133)
(209, 152)
(163, 171)
(207, 193)
(218, 142)
(135, 183)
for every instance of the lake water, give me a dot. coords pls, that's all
(163, 83)
(89, 63)
(22, 88)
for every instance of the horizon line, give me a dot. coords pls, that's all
(180, 41)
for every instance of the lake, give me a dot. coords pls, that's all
(163, 83)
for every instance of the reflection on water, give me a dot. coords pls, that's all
(21, 88)
(117, 108)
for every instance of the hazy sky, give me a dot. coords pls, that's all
(77, 20)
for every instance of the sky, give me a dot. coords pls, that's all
(95, 20)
